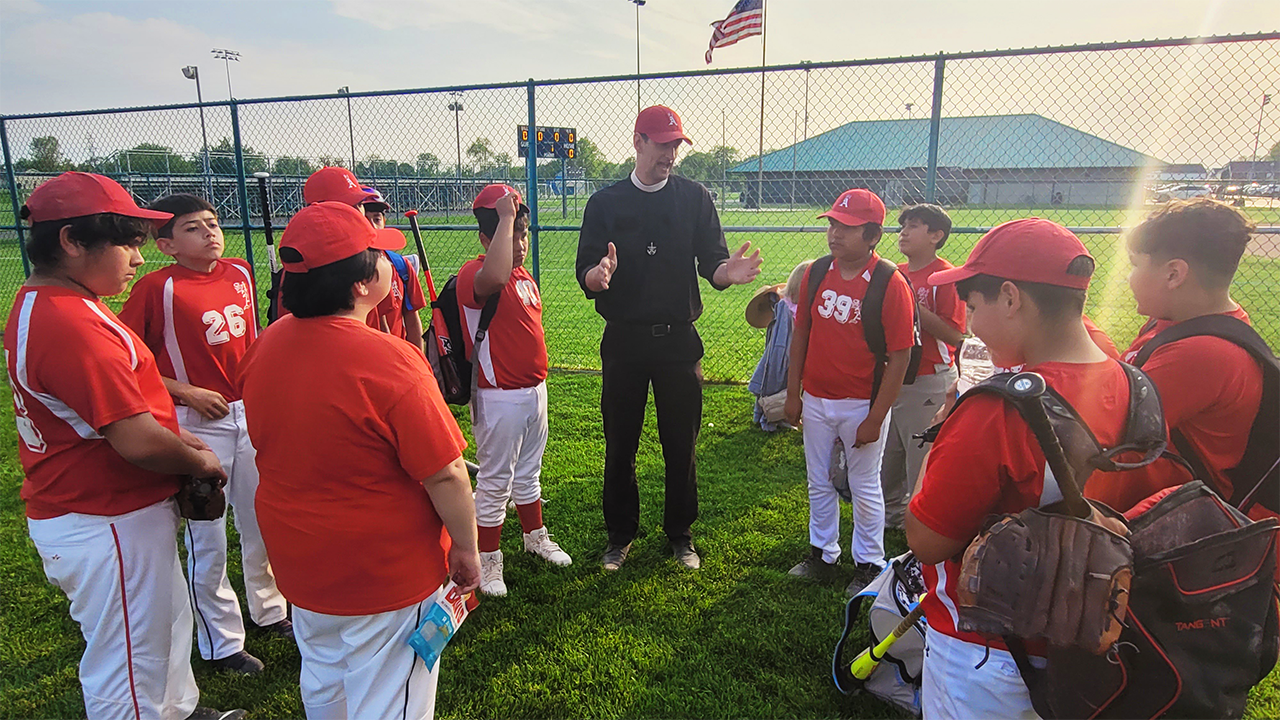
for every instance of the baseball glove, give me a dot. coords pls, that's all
(1046, 576)
(201, 498)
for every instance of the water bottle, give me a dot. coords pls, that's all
(975, 364)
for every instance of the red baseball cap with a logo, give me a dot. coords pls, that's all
(491, 194)
(857, 207)
(1030, 250)
(326, 232)
(334, 184)
(77, 194)
(661, 124)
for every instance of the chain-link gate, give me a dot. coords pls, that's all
(1090, 136)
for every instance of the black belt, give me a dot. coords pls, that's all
(654, 330)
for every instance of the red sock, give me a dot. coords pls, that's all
(488, 538)
(530, 516)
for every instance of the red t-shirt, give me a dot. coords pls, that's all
(942, 301)
(987, 461)
(1211, 390)
(198, 325)
(838, 363)
(394, 304)
(74, 369)
(514, 353)
(347, 422)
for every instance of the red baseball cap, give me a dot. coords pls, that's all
(661, 124)
(1030, 249)
(334, 184)
(77, 194)
(857, 207)
(326, 232)
(491, 194)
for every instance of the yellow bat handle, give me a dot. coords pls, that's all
(866, 662)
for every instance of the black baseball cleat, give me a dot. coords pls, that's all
(615, 555)
(208, 713)
(863, 575)
(813, 567)
(283, 629)
(241, 663)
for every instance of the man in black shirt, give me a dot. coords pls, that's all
(644, 241)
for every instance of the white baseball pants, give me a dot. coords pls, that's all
(510, 427)
(219, 625)
(916, 405)
(124, 580)
(361, 666)
(824, 421)
(961, 680)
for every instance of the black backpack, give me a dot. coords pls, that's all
(454, 367)
(1256, 480)
(873, 316)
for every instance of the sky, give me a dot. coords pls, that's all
(107, 53)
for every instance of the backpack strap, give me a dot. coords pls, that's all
(402, 269)
(873, 325)
(486, 317)
(1228, 328)
(813, 278)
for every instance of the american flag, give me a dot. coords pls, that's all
(744, 20)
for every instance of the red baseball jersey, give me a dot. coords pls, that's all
(1211, 390)
(392, 307)
(514, 353)
(987, 461)
(347, 422)
(74, 369)
(942, 301)
(198, 325)
(838, 363)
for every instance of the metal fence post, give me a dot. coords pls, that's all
(935, 128)
(13, 198)
(531, 178)
(240, 185)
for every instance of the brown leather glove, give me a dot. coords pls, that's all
(201, 498)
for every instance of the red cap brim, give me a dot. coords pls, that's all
(849, 220)
(954, 275)
(666, 137)
(388, 239)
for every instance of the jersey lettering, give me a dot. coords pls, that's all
(223, 325)
(528, 292)
(842, 308)
(27, 429)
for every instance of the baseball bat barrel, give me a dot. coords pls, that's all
(1030, 386)
(422, 251)
(273, 262)
(866, 663)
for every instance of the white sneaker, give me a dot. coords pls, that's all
(539, 543)
(491, 574)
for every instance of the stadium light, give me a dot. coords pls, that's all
(191, 72)
(639, 4)
(456, 107)
(227, 57)
(351, 133)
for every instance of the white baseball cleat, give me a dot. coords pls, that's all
(491, 574)
(539, 543)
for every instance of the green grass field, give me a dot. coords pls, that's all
(737, 639)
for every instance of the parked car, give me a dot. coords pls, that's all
(1183, 192)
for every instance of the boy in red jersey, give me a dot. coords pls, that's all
(198, 317)
(101, 451)
(509, 408)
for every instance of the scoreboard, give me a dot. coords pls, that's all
(551, 142)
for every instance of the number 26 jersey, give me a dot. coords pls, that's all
(198, 325)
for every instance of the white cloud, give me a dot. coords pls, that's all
(20, 7)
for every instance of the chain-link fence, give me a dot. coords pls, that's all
(1090, 136)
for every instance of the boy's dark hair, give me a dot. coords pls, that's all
(933, 217)
(872, 232)
(1207, 234)
(488, 219)
(326, 290)
(179, 204)
(91, 232)
(1054, 301)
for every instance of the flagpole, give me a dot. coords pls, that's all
(764, 13)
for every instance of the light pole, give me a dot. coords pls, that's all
(351, 133)
(191, 72)
(1253, 159)
(227, 57)
(806, 64)
(638, 3)
(909, 106)
(456, 107)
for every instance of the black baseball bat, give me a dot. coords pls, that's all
(273, 262)
(1028, 387)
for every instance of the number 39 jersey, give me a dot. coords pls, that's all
(198, 325)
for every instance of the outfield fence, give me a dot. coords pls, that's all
(1090, 136)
